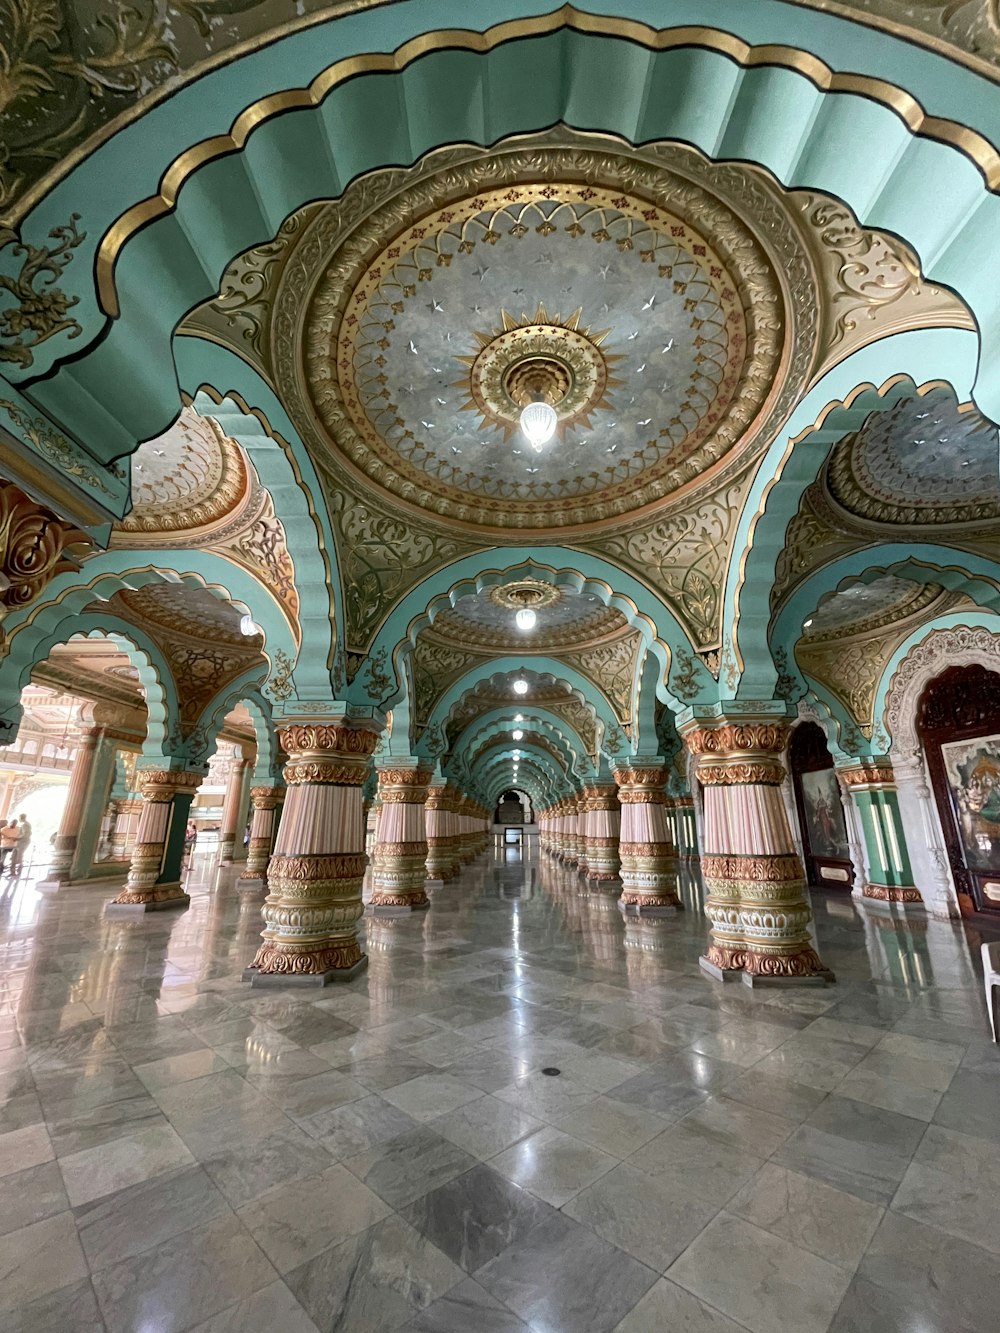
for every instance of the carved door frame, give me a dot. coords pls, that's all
(808, 752)
(962, 703)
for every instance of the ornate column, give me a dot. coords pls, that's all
(453, 825)
(231, 808)
(757, 900)
(603, 828)
(154, 874)
(399, 866)
(264, 804)
(312, 911)
(648, 857)
(872, 785)
(77, 798)
(438, 852)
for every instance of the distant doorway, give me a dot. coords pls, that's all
(825, 848)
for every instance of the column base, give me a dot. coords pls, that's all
(162, 898)
(432, 884)
(899, 898)
(816, 975)
(648, 905)
(330, 977)
(396, 906)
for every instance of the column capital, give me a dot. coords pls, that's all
(160, 785)
(403, 786)
(267, 798)
(743, 751)
(641, 786)
(337, 752)
(868, 774)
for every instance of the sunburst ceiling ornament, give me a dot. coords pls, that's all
(539, 359)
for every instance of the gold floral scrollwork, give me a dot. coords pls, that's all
(57, 449)
(34, 547)
(280, 686)
(38, 308)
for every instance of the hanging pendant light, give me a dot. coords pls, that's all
(525, 619)
(538, 423)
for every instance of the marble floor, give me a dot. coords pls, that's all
(180, 1152)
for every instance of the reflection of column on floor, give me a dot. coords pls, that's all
(312, 911)
(648, 857)
(399, 866)
(154, 874)
(603, 824)
(756, 888)
(78, 796)
(265, 801)
(238, 769)
(872, 786)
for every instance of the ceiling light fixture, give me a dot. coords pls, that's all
(520, 686)
(807, 623)
(538, 423)
(248, 626)
(518, 717)
(525, 618)
(518, 734)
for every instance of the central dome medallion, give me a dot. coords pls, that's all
(538, 359)
(648, 317)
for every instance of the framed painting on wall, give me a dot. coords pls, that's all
(972, 770)
(824, 814)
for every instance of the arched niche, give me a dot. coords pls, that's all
(826, 852)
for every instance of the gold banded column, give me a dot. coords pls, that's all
(399, 866)
(755, 882)
(312, 911)
(77, 798)
(435, 822)
(603, 833)
(648, 857)
(154, 874)
(231, 803)
(264, 803)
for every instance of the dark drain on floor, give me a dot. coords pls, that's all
(552, 1071)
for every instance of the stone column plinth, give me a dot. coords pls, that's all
(872, 787)
(603, 829)
(399, 866)
(78, 796)
(154, 874)
(264, 804)
(312, 911)
(648, 857)
(757, 901)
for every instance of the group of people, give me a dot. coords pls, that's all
(15, 837)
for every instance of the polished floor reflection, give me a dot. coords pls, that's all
(180, 1152)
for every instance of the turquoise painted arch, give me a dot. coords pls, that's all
(872, 379)
(768, 90)
(564, 567)
(955, 569)
(112, 571)
(246, 690)
(973, 619)
(504, 718)
(532, 669)
(484, 744)
(499, 768)
(163, 726)
(247, 409)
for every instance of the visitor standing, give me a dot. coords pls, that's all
(22, 845)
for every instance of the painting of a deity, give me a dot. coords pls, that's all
(973, 771)
(824, 814)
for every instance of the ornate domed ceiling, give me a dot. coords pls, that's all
(863, 606)
(188, 478)
(645, 312)
(926, 460)
(563, 619)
